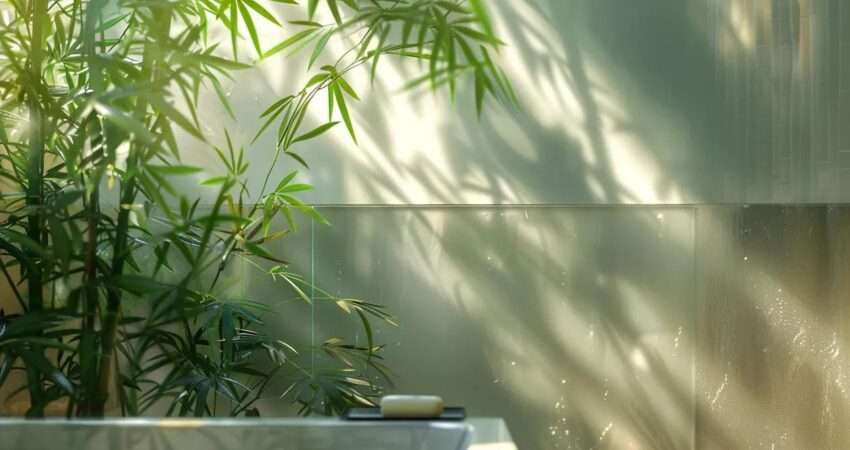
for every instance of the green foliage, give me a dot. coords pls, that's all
(116, 272)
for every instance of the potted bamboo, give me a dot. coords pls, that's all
(109, 270)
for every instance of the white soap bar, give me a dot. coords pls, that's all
(411, 406)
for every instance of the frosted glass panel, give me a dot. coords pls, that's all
(575, 324)
(711, 328)
(774, 328)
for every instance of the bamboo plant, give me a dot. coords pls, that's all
(114, 272)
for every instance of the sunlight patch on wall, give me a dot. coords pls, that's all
(417, 148)
(537, 70)
(741, 24)
(635, 171)
(728, 26)
(549, 95)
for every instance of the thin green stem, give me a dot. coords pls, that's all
(13, 285)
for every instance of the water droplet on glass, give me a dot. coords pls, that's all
(605, 431)
(719, 391)
(677, 339)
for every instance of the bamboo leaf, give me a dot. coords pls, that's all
(182, 121)
(367, 327)
(125, 122)
(343, 111)
(296, 188)
(175, 169)
(377, 53)
(298, 159)
(305, 23)
(314, 132)
(249, 24)
(290, 41)
(263, 11)
(320, 46)
(214, 181)
(40, 362)
(286, 180)
(479, 36)
(480, 12)
(335, 11)
(222, 97)
(214, 61)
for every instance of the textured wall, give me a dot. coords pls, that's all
(657, 101)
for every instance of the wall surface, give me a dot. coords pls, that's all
(657, 101)
(648, 317)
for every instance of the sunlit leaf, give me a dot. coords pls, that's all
(343, 110)
(263, 11)
(320, 46)
(314, 132)
(288, 42)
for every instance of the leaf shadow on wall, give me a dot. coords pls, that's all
(623, 82)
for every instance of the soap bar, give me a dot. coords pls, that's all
(411, 406)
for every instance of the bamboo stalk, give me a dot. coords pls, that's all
(88, 362)
(90, 403)
(109, 332)
(35, 167)
(121, 250)
(35, 192)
